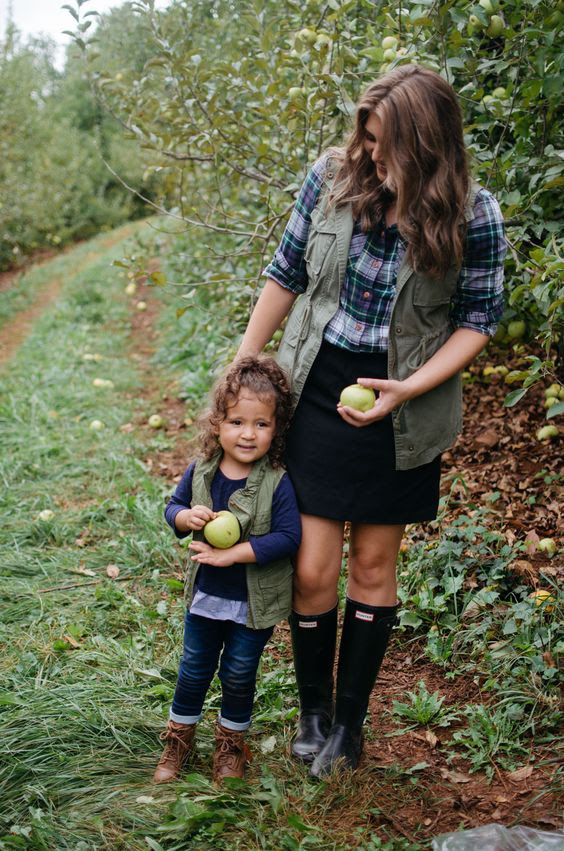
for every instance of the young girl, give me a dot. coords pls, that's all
(235, 596)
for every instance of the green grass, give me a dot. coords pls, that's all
(87, 671)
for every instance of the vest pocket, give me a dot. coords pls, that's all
(261, 523)
(275, 588)
(318, 248)
(430, 292)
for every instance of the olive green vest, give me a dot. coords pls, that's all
(419, 325)
(269, 587)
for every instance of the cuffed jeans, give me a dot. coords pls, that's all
(240, 648)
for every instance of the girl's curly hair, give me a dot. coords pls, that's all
(262, 376)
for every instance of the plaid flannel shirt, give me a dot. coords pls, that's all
(363, 319)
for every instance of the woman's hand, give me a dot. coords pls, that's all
(460, 348)
(389, 395)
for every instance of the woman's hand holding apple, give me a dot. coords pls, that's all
(391, 394)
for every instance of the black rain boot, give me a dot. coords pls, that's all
(313, 642)
(366, 632)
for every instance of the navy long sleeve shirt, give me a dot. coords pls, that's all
(282, 541)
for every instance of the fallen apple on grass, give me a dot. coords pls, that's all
(223, 531)
(155, 421)
(358, 397)
(541, 597)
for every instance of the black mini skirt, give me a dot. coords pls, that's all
(346, 473)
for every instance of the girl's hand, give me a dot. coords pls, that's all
(204, 554)
(197, 517)
(389, 395)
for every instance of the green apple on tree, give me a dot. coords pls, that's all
(496, 26)
(223, 531)
(516, 329)
(358, 397)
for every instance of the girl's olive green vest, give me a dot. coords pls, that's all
(269, 587)
(419, 325)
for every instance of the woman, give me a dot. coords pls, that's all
(398, 258)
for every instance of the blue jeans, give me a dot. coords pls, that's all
(240, 648)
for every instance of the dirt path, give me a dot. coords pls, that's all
(15, 331)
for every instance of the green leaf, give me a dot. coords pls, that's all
(410, 619)
(514, 397)
(555, 411)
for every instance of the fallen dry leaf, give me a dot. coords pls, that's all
(524, 569)
(455, 776)
(488, 438)
(431, 738)
(112, 571)
(531, 542)
(72, 641)
(84, 571)
(521, 774)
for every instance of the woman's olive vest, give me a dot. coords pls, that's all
(419, 325)
(269, 586)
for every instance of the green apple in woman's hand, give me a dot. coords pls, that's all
(358, 397)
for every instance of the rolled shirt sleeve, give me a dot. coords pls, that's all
(288, 264)
(478, 303)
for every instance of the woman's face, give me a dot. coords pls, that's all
(373, 133)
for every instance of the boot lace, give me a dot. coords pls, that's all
(176, 746)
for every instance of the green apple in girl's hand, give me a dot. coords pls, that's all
(223, 531)
(358, 397)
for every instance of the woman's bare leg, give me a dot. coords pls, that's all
(373, 552)
(318, 565)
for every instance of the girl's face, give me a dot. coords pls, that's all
(373, 133)
(248, 429)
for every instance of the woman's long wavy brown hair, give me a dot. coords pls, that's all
(261, 376)
(422, 145)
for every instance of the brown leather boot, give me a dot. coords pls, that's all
(179, 740)
(231, 754)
